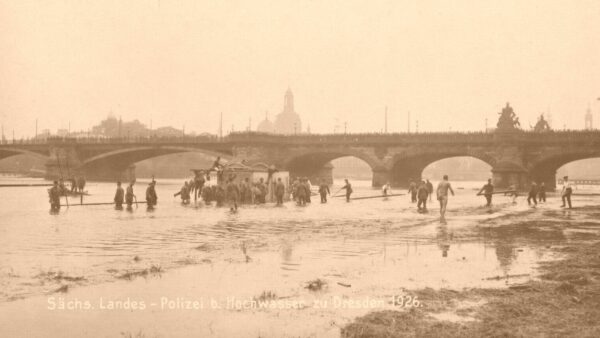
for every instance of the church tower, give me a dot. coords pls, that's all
(288, 121)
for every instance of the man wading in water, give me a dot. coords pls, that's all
(442, 196)
(348, 188)
(129, 195)
(487, 191)
(119, 195)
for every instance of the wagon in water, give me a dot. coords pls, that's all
(248, 178)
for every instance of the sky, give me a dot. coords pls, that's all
(449, 64)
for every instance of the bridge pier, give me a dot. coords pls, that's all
(381, 177)
(325, 173)
(547, 177)
(505, 175)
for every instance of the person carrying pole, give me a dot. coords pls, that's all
(487, 191)
(348, 188)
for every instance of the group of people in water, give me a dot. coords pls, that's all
(235, 191)
(536, 193)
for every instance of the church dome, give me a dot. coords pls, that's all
(288, 121)
(266, 126)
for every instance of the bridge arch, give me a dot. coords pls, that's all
(136, 154)
(316, 165)
(119, 163)
(545, 169)
(6, 153)
(406, 167)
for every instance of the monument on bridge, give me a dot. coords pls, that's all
(541, 125)
(508, 120)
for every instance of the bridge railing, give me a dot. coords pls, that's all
(550, 137)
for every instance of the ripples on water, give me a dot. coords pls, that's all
(388, 239)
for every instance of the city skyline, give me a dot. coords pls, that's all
(184, 63)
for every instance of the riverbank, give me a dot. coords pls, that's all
(564, 302)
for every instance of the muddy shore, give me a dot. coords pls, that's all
(563, 302)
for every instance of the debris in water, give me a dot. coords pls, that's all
(62, 289)
(266, 296)
(316, 285)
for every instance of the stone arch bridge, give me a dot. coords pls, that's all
(516, 157)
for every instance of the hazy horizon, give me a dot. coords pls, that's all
(451, 65)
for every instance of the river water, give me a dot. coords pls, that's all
(365, 248)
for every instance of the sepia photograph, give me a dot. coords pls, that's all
(299, 168)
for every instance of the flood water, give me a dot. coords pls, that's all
(365, 248)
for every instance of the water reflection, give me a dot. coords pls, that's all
(360, 240)
(444, 239)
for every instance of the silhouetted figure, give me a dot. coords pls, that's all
(151, 198)
(348, 188)
(54, 196)
(422, 195)
(412, 190)
(487, 191)
(129, 195)
(119, 196)
(542, 193)
(429, 189)
(533, 191)
(279, 191)
(324, 191)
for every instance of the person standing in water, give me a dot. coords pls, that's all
(279, 191)
(442, 196)
(119, 195)
(412, 190)
(533, 191)
(151, 198)
(54, 195)
(567, 190)
(542, 193)
(348, 188)
(487, 191)
(324, 191)
(429, 189)
(129, 195)
(386, 189)
(422, 194)
(233, 194)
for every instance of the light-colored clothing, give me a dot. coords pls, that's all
(566, 185)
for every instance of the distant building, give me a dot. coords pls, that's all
(62, 132)
(288, 121)
(266, 126)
